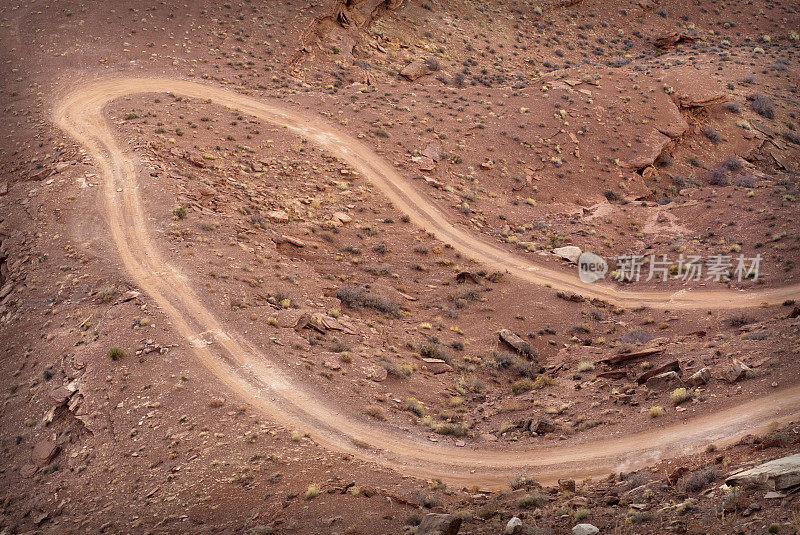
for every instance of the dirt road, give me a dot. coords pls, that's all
(246, 370)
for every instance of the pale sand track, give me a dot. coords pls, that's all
(247, 370)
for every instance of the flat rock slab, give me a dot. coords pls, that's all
(44, 452)
(694, 88)
(780, 474)
(648, 151)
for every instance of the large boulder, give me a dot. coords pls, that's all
(439, 524)
(780, 474)
(736, 372)
(415, 69)
(664, 381)
(570, 253)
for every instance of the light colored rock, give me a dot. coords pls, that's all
(780, 474)
(278, 216)
(700, 377)
(342, 218)
(513, 526)
(664, 381)
(585, 529)
(736, 372)
(570, 253)
(437, 366)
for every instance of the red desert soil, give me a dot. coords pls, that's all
(309, 267)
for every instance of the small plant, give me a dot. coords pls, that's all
(713, 135)
(312, 492)
(581, 513)
(656, 411)
(679, 395)
(180, 212)
(376, 412)
(528, 501)
(116, 353)
(415, 406)
(522, 385)
(763, 105)
(585, 365)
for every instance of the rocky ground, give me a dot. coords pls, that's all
(646, 128)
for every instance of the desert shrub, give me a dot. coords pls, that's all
(585, 365)
(115, 353)
(415, 406)
(656, 411)
(637, 336)
(699, 480)
(180, 212)
(376, 412)
(432, 63)
(581, 513)
(732, 163)
(744, 180)
(359, 297)
(733, 107)
(312, 492)
(718, 176)
(763, 105)
(738, 320)
(679, 395)
(713, 135)
(530, 500)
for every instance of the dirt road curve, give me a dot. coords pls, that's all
(245, 369)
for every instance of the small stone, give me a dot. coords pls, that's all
(736, 372)
(513, 526)
(700, 377)
(439, 524)
(585, 529)
(278, 216)
(567, 484)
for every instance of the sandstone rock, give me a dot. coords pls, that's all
(648, 151)
(342, 218)
(433, 151)
(62, 166)
(437, 366)
(44, 452)
(424, 163)
(377, 374)
(439, 524)
(513, 526)
(542, 426)
(585, 529)
(567, 484)
(780, 474)
(664, 381)
(694, 88)
(415, 69)
(736, 372)
(570, 253)
(673, 366)
(700, 377)
(278, 216)
(674, 124)
(515, 341)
